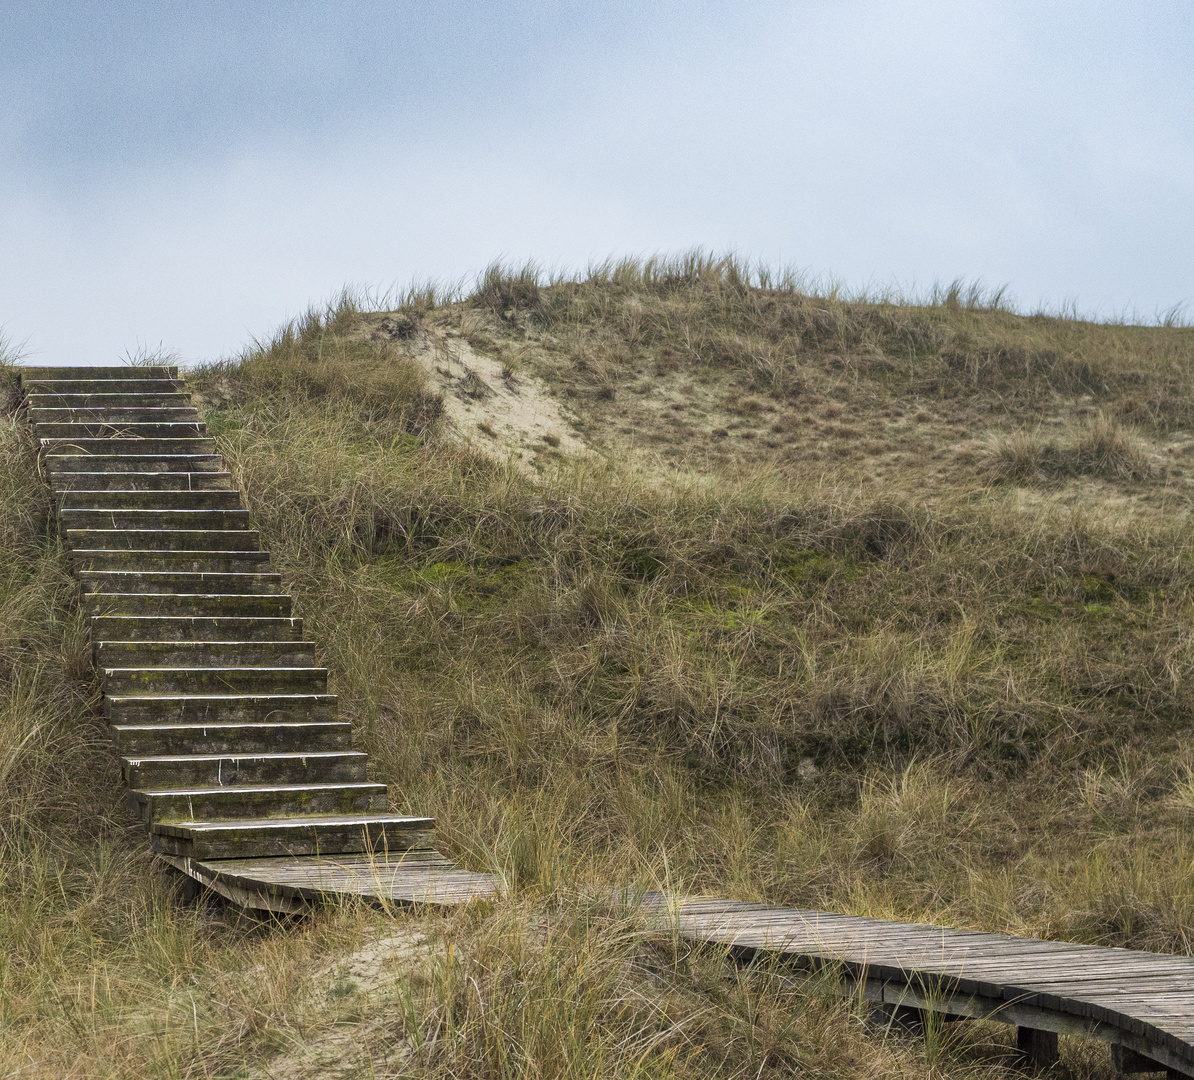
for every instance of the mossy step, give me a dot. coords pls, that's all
(140, 481)
(59, 464)
(128, 654)
(194, 628)
(187, 562)
(257, 801)
(178, 581)
(149, 429)
(164, 539)
(220, 708)
(214, 680)
(116, 415)
(149, 500)
(141, 446)
(172, 772)
(326, 835)
(130, 740)
(268, 605)
(112, 518)
(123, 398)
(92, 374)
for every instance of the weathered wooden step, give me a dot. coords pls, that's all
(172, 739)
(140, 447)
(194, 628)
(154, 519)
(164, 539)
(86, 373)
(117, 416)
(60, 463)
(140, 481)
(178, 581)
(266, 605)
(219, 708)
(260, 838)
(153, 398)
(162, 430)
(240, 770)
(257, 801)
(46, 389)
(137, 654)
(179, 562)
(214, 680)
(77, 499)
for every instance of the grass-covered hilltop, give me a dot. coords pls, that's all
(674, 576)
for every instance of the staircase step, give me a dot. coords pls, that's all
(140, 481)
(178, 411)
(170, 773)
(153, 398)
(113, 628)
(257, 801)
(206, 654)
(158, 430)
(77, 499)
(171, 739)
(267, 605)
(328, 835)
(164, 539)
(141, 447)
(214, 680)
(59, 463)
(83, 373)
(219, 708)
(154, 519)
(178, 562)
(178, 581)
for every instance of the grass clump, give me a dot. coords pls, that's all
(1100, 447)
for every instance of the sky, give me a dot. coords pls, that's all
(188, 176)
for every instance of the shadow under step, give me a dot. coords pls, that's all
(105, 628)
(108, 499)
(232, 770)
(164, 539)
(272, 605)
(139, 445)
(60, 463)
(276, 738)
(78, 481)
(311, 835)
(179, 582)
(166, 561)
(219, 708)
(207, 654)
(117, 416)
(114, 518)
(153, 397)
(133, 429)
(257, 801)
(157, 681)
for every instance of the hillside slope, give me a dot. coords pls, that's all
(658, 577)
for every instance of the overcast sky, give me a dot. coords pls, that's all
(192, 174)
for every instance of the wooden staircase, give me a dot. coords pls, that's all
(220, 714)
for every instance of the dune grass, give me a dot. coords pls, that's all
(756, 681)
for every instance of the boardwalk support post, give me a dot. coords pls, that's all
(1038, 1048)
(1126, 1060)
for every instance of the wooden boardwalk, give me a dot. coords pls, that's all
(247, 783)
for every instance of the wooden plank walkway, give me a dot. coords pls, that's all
(247, 782)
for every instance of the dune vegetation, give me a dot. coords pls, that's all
(854, 603)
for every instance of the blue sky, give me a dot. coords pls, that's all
(191, 175)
